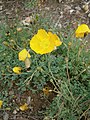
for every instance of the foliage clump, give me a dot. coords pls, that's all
(64, 62)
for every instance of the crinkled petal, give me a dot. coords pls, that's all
(17, 70)
(23, 55)
(44, 42)
(40, 43)
(42, 34)
(1, 102)
(81, 35)
(35, 44)
(54, 39)
(81, 30)
(24, 107)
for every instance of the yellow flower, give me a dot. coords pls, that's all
(17, 70)
(40, 43)
(24, 107)
(82, 30)
(44, 42)
(55, 39)
(23, 55)
(1, 102)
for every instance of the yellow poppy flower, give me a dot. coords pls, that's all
(17, 70)
(54, 39)
(44, 42)
(1, 102)
(23, 107)
(23, 55)
(40, 43)
(82, 30)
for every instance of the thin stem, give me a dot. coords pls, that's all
(67, 69)
(56, 83)
(60, 109)
(80, 73)
(69, 91)
(30, 77)
(84, 113)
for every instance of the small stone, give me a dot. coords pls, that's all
(6, 116)
(59, 25)
(8, 13)
(0, 1)
(78, 8)
(29, 100)
(47, 8)
(89, 15)
(77, 13)
(67, 7)
(59, 1)
(85, 7)
(71, 11)
(14, 112)
(1, 8)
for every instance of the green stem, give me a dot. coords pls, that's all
(55, 83)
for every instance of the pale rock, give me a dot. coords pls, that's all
(89, 15)
(47, 8)
(78, 8)
(14, 112)
(1, 8)
(71, 11)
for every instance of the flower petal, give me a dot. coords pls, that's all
(54, 39)
(17, 70)
(80, 35)
(40, 43)
(1, 102)
(23, 55)
(81, 30)
(23, 107)
(44, 42)
(42, 34)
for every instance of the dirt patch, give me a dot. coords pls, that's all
(61, 13)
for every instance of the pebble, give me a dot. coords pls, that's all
(47, 8)
(0, 1)
(78, 8)
(59, 1)
(71, 11)
(89, 15)
(77, 13)
(14, 112)
(59, 25)
(67, 7)
(1, 8)
(85, 7)
(6, 116)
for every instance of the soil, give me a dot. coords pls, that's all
(61, 13)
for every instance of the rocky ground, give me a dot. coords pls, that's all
(61, 13)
